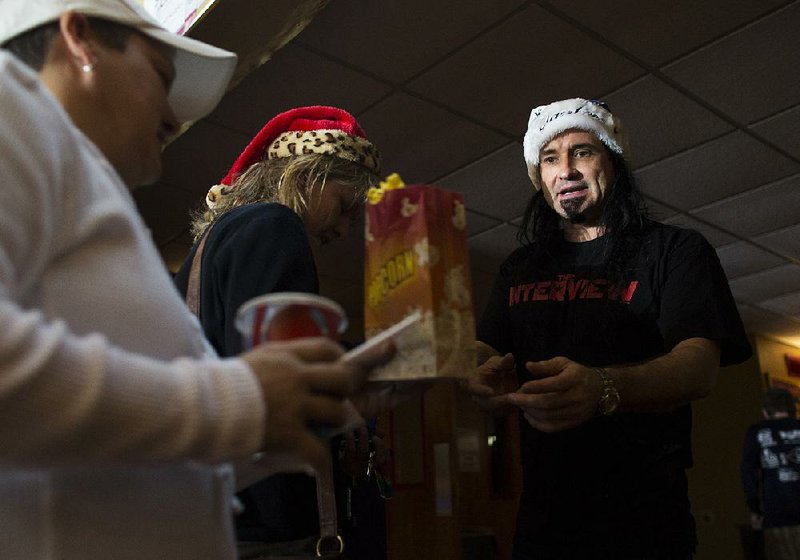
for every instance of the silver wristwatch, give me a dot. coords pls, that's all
(609, 400)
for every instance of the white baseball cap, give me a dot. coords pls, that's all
(202, 72)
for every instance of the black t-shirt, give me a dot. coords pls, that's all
(771, 460)
(616, 482)
(251, 251)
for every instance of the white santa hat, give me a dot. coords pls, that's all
(548, 121)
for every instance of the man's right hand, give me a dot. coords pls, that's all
(304, 383)
(493, 378)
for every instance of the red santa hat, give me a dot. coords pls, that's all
(304, 130)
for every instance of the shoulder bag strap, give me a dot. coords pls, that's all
(330, 543)
(193, 287)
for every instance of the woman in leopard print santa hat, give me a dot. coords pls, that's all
(303, 177)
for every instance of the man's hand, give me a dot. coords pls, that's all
(563, 395)
(304, 382)
(493, 378)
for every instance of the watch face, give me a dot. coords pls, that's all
(609, 402)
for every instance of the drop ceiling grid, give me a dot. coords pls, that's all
(713, 131)
(660, 32)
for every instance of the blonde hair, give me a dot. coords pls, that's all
(288, 181)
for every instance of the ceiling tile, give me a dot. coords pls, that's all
(784, 241)
(497, 185)
(477, 223)
(200, 157)
(756, 211)
(490, 248)
(744, 75)
(659, 31)
(718, 169)
(292, 78)
(781, 129)
(784, 328)
(779, 327)
(770, 324)
(398, 39)
(787, 304)
(766, 284)
(415, 135)
(635, 103)
(754, 317)
(743, 258)
(658, 211)
(716, 237)
(531, 59)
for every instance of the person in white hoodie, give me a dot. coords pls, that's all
(117, 422)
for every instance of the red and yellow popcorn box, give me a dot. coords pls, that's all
(417, 262)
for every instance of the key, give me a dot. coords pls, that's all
(384, 486)
(371, 462)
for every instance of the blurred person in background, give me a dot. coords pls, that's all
(771, 475)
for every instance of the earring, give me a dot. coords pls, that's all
(88, 67)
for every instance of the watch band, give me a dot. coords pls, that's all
(603, 375)
(609, 400)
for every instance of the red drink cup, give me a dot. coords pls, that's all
(288, 315)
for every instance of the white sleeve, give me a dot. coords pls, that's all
(69, 399)
(66, 399)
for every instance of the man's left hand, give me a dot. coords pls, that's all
(563, 395)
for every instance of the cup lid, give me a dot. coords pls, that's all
(286, 299)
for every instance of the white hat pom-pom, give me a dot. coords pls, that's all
(214, 194)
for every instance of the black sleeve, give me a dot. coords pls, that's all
(750, 470)
(696, 300)
(261, 250)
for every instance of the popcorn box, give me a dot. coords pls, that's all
(417, 262)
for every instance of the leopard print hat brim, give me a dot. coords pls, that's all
(327, 141)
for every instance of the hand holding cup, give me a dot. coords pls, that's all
(303, 377)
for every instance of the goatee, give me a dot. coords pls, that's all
(572, 208)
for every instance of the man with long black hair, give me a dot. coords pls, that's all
(612, 323)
